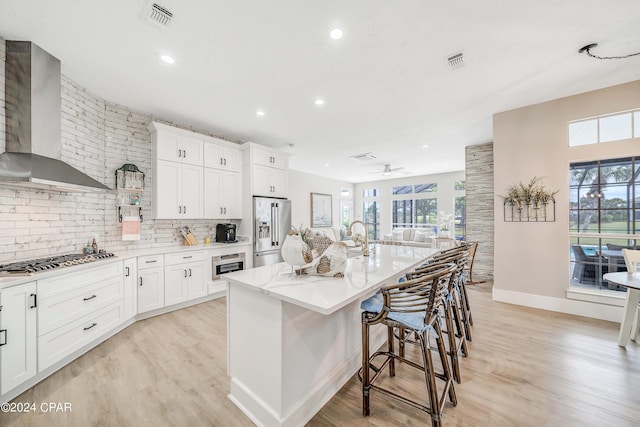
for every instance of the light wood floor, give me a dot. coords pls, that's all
(526, 368)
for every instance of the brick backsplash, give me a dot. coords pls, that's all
(97, 137)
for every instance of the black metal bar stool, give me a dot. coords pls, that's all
(413, 306)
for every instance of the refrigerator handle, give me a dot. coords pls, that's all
(273, 223)
(277, 217)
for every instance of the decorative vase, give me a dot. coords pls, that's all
(295, 251)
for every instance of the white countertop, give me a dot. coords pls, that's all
(7, 281)
(325, 295)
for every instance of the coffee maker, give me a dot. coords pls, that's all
(226, 233)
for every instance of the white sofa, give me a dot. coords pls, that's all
(333, 233)
(422, 237)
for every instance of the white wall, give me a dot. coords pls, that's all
(446, 194)
(533, 258)
(301, 185)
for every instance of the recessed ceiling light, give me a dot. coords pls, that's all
(335, 34)
(425, 146)
(167, 59)
(326, 165)
(319, 101)
(260, 113)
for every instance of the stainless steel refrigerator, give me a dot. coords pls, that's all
(271, 223)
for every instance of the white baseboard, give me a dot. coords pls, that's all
(595, 310)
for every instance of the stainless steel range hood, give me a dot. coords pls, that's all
(33, 124)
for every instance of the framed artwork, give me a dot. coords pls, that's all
(321, 210)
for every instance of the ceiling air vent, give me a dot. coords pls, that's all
(363, 157)
(456, 61)
(158, 15)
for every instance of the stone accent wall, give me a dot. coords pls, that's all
(479, 203)
(97, 138)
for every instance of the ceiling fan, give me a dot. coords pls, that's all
(387, 170)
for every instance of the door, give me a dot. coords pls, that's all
(278, 180)
(266, 258)
(260, 181)
(196, 284)
(263, 225)
(191, 150)
(283, 209)
(150, 289)
(212, 195)
(175, 284)
(18, 336)
(191, 191)
(130, 289)
(167, 201)
(231, 187)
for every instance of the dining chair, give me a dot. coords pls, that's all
(632, 260)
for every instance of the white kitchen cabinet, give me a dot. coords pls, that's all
(268, 181)
(18, 335)
(220, 155)
(178, 191)
(175, 146)
(271, 158)
(150, 282)
(222, 194)
(130, 288)
(184, 277)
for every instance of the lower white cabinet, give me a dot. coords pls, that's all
(75, 309)
(184, 277)
(150, 289)
(130, 288)
(18, 336)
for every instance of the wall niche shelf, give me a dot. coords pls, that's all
(129, 187)
(545, 212)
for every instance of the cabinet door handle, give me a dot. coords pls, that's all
(185, 272)
(184, 209)
(221, 161)
(91, 297)
(179, 209)
(127, 272)
(151, 261)
(141, 281)
(187, 257)
(179, 152)
(4, 336)
(220, 210)
(35, 301)
(184, 154)
(89, 327)
(225, 162)
(225, 210)
(189, 272)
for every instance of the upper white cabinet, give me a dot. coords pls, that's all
(271, 158)
(17, 335)
(176, 147)
(219, 154)
(223, 194)
(180, 158)
(267, 170)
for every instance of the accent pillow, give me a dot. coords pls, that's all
(421, 236)
(407, 234)
(396, 235)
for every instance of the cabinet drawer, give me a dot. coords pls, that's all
(58, 344)
(58, 310)
(64, 283)
(182, 257)
(150, 261)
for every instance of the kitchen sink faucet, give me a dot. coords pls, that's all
(365, 245)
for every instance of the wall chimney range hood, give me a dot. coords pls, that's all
(33, 124)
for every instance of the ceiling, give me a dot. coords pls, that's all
(386, 84)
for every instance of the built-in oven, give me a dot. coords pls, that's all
(226, 264)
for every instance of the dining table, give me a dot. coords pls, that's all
(631, 281)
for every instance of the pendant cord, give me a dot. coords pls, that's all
(587, 50)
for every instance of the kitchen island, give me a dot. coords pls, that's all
(293, 341)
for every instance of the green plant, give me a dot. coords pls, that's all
(532, 194)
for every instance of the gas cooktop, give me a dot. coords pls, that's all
(50, 263)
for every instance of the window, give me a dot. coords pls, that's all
(604, 213)
(425, 188)
(613, 127)
(409, 210)
(460, 216)
(371, 215)
(459, 185)
(372, 192)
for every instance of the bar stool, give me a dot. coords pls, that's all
(464, 306)
(457, 343)
(413, 306)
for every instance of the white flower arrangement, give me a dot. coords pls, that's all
(445, 221)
